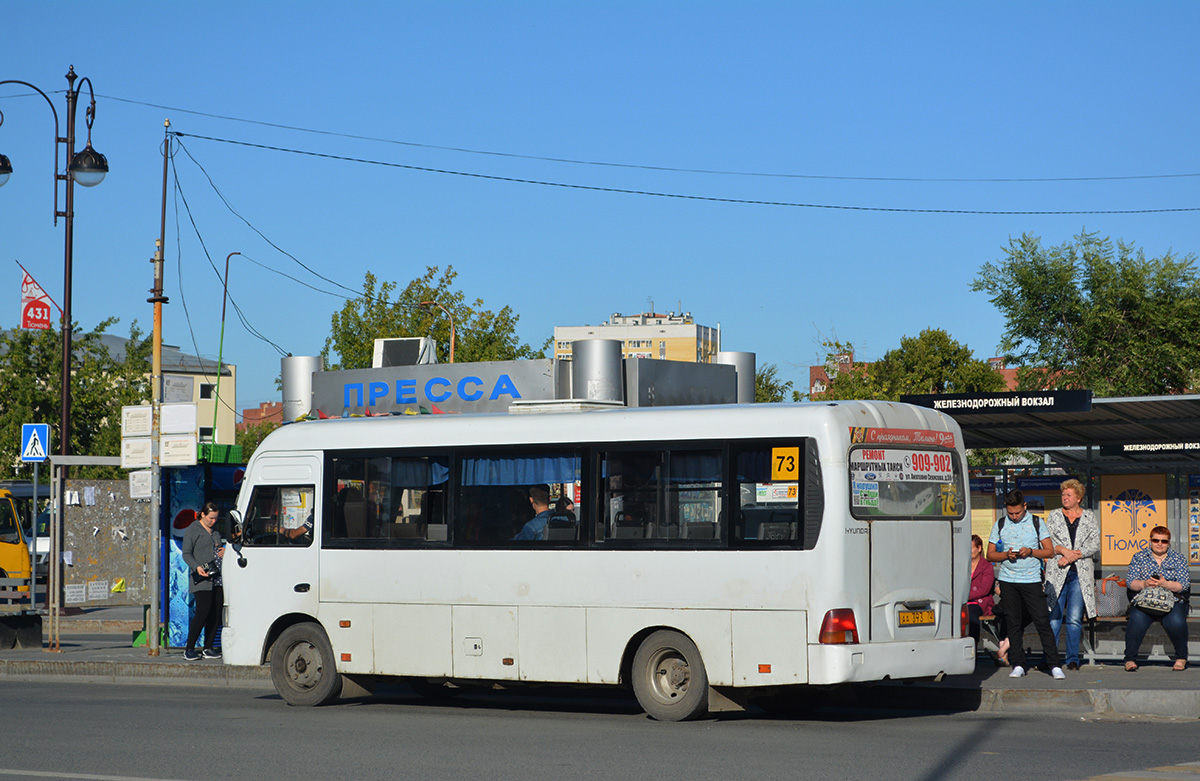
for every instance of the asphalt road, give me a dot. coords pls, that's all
(138, 732)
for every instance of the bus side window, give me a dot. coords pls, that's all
(494, 506)
(771, 490)
(671, 495)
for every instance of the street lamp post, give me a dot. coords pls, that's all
(426, 305)
(221, 347)
(88, 169)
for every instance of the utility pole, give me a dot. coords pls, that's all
(154, 555)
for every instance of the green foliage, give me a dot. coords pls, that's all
(847, 379)
(480, 334)
(30, 392)
(931, 362)
(252, 436)
(768, 387)
(1087, 315)
(982, 457)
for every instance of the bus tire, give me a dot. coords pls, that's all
(668, 677)
(302, 666)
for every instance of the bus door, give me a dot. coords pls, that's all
(911, 498)
(281, 573)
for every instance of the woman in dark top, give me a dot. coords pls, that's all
(203, 550)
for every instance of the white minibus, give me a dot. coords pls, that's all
(699, 555)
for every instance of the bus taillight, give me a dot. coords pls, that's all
(964, 622)
(839, 627)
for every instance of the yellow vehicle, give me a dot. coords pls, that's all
(14, 553)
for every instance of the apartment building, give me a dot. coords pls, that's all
(671, 336)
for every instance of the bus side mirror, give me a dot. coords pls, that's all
(236, 532)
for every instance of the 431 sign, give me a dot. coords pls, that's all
(35, 304)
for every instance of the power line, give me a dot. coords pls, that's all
(662, 168)
(685, 196)
(235, 213)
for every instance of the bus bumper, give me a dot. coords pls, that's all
(830, 664)
(236, 651)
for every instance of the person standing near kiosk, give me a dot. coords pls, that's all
(203, 550)
(1020, 543)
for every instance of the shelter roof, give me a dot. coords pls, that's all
(1149, 421)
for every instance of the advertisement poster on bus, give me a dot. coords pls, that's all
(1130, 506)
(866, 435)
(894, 482)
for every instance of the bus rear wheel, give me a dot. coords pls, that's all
(302, 666)
(669, 680)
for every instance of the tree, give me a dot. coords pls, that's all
(481, 334)
(931, 362)
(768, 387)
(251, 437)
(1087, 315)
(30, 391)
(847, 379)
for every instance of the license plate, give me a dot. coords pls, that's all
(916, 617)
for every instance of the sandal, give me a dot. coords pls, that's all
(1180, 665)
(1002, 653)
(1131, 667)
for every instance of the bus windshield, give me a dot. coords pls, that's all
(9, 532)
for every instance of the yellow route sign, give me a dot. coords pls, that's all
(785, 463)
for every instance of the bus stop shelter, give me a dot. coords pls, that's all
(1139, 459)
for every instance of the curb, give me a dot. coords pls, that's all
(92, 626)
(1123, 702)
(141, 672)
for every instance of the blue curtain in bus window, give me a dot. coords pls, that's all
(418, 472)
(520, 471)
(754, 466)
(695, 467)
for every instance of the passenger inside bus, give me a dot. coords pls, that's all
(539, 500)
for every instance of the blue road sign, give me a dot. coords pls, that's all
(35, 441)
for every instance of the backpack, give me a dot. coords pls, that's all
(1037, 525)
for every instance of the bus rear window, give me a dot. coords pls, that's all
(893, 482)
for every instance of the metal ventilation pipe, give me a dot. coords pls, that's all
(744, 363)
(596, 370)
(297, 373)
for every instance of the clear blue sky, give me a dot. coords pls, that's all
(895, 90)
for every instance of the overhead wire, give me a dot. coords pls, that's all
(237, 214)
(662, 168)
(685, 196)
(180, 196)
(356, 294)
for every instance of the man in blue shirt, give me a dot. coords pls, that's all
(1019, 542)
(535, 529)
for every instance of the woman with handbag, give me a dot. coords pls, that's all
(1162, 583)
(1071, 576)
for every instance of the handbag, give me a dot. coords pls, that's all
(1111, 602)
(1155, 599)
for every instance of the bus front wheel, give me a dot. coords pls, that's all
(668, 677)
(302, 666)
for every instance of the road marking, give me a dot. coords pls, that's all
(90, 776)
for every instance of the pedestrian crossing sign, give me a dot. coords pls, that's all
(35, 441)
